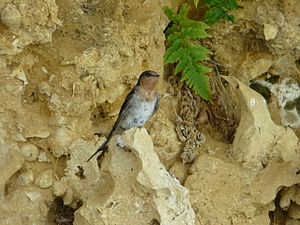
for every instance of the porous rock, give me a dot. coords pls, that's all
(44, 179)
(26, 177)
(264, 31)
(30, 152)
(138, 188)
(258, 140)
(10, 162)
(226, 193)
(165, 139)
(32, 22)
(11, 16)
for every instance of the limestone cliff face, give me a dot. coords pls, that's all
(140, 188)
(265, 38)
(65, 68)
(63, 63)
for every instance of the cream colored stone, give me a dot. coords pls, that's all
(19, 73)
(35, 123)
(32, 195)
(68, 197)
(286, 197)
(213, 180)
(32, 22)
(179, 170)
(30, 152)
(26, 207)
(84, 184)
(165, 139)
(43, 157)
(255, 67)
(127, 38)
(10, 162)
(139, 188)
(11, 16)
(44, 179)
(217, 191)
(275, 175)
(257, 135)
(62, 190)
(18, 137)
(168, 195)
(59, 188)
(270, 31)
(26, 177)
(245, 41)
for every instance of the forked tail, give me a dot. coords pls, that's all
(103, 146)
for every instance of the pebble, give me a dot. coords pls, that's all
(59, 188)
(18, 137)
(11, 16)
(42, 157)
(68, 197)
(33, 196)
(29, 151)
(26, 177)
(270, 31)
(44, 179)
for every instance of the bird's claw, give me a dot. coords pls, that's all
(101, 155)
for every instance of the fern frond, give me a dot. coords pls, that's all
(172, 53)
(198, 52)
(219, 10)
(181, 37)
(197, 80)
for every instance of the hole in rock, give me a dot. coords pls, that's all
(278, 216)
(61, 214)
(261, 89)
(298, 64)
(154, 222)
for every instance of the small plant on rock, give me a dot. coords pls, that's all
(184, 48)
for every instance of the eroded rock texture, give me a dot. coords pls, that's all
(65, 68)
(139, 188)
(265, 38)
(63, 63)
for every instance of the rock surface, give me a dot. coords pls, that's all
(265, 36)
(226, 192)
(65, 68)
(139, 189)
(258, 140)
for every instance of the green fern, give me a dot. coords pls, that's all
(181, 37)
(219, 9)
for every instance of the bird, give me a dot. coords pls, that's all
(139, 106)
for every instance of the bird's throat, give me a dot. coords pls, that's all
(147, 95)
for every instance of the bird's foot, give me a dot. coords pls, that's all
(102, 153)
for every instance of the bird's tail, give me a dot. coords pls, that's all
(103, 146)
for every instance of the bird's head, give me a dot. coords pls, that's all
(148, 79)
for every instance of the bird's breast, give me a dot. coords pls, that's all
(138, 114)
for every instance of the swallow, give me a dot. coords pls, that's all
(139, 106)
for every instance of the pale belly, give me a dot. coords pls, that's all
(137, 115)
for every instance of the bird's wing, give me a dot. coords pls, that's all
(126, 105)
(157, 103)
